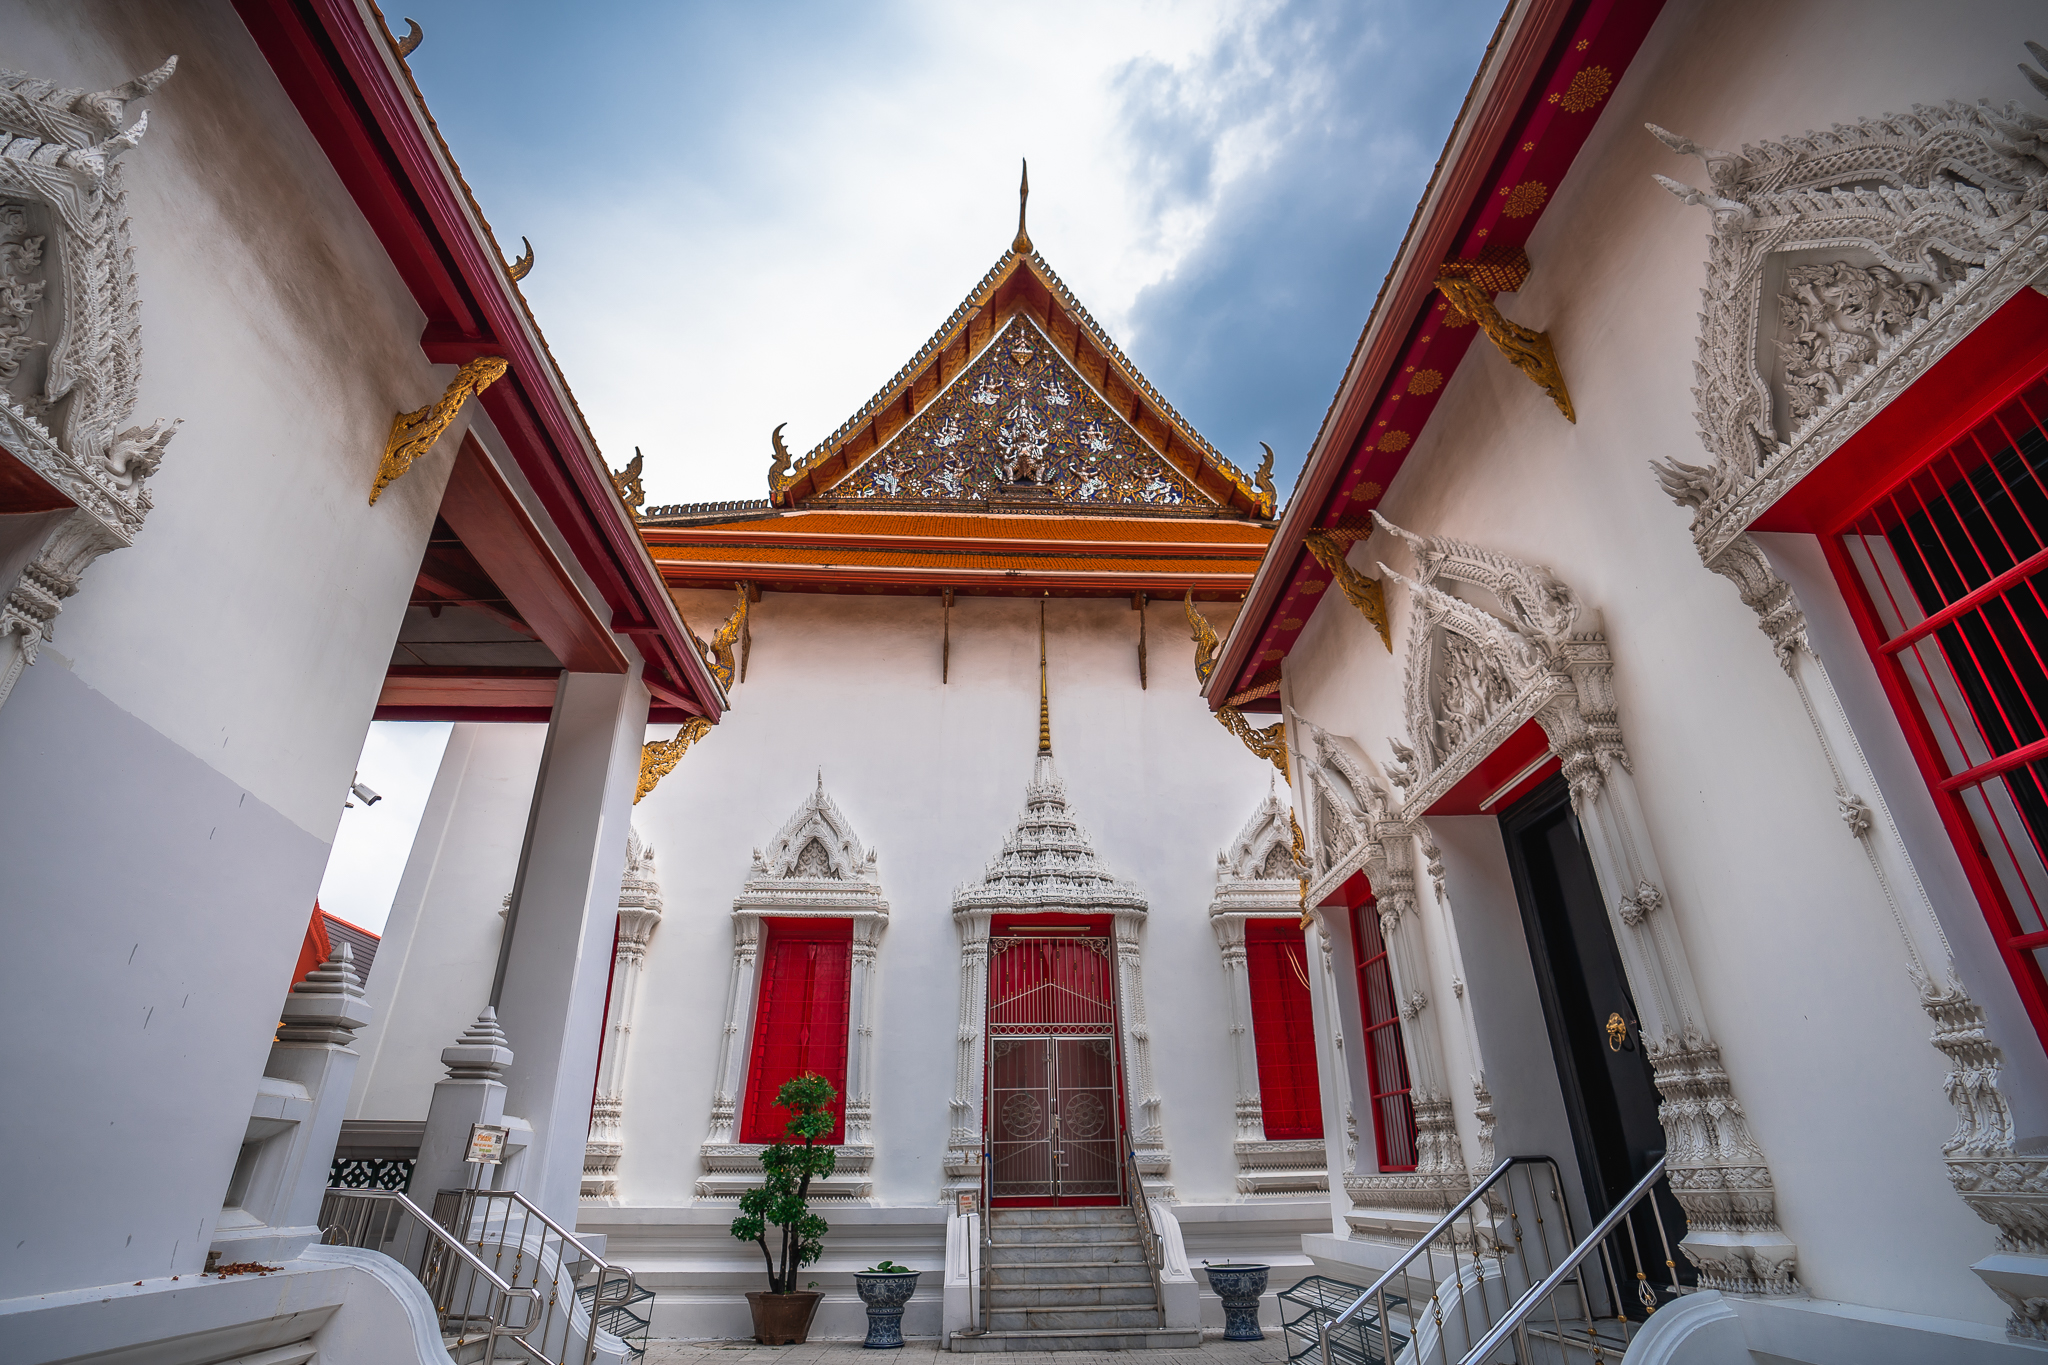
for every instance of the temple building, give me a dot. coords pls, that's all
(968, 845)
(1566, 885)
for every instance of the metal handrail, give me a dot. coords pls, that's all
(331, 1223)
(1518, 1312)
(1148, 1233)
(983, 1242)
(1424, 1247)
(614, 1285)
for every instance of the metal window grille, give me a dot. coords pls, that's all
(1943, 571)
(1386, 1058)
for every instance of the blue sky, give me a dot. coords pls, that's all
(751, 214)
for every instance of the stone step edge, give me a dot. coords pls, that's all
(1050, 1333)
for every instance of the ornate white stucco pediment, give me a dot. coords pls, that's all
(1341, 799)
(70, 341)
(1843, 264)
(814, 864)
(1473, 676)
(1259, 862)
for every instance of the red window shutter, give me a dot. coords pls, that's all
(1283, 1032)
(800, 1020)
(1386, 1061)
(1937, 530)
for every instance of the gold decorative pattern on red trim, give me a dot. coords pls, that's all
(1524, 199)
(1587, 89)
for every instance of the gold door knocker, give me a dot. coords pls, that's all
(1617, 1034)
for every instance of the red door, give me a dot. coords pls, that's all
(1055, 1098)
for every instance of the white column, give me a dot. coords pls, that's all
(739, 1008)
(860, 1043)
(639, 914)
(963, 1144)
(1251, 1122)
(558, 935)
(1148, 1134)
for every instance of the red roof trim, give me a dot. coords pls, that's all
(339, 71)
(1514, 129)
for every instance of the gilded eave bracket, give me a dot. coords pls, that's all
(1367, 594)
(413, 433)
(1269, 743)
(1528, 351)
(728, 634)
(659, 757)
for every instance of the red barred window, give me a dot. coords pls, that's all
(1943, 571)
(1283, 1034)
(799, 1019)
(1386, 1060)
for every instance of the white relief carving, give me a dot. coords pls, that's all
(1047, 865)
(814, 866)
(1634, 909)
(1552, 653)
(639, 914)
(1256, 878)
(1882, 243)
(70, 343)
(1895, 236)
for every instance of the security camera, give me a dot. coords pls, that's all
(362, 794)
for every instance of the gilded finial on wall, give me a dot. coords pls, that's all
(1022, 246)
(778, 472)
(1044, 706)
(658, 757)
(1263, 481)
(519, 269)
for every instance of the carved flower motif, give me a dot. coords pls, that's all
(1395, 440)
(1524, 199)
(1424, 381)
(1587, 89)
(1366, 492)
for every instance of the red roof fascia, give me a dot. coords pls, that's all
(1510, 131)
(333, 64)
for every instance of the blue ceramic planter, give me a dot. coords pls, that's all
(885, 1295)
(1239, 1286)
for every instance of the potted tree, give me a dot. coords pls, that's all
(782, 1315)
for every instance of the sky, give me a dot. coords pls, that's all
(744, 215)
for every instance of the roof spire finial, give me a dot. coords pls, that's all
(1022, 246)
(1044, 708)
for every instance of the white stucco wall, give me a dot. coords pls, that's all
(174, 764)
(932, 777)
(1802, 975)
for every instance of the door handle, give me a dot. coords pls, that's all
(1618, 1039)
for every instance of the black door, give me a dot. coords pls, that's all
(1610, 1093)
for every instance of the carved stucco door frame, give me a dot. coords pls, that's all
(814, 868)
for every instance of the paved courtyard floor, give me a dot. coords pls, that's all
(1213, 1351)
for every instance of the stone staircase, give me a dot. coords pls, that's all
(1070, 1280)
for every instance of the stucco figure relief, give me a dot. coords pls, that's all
(70, 343)
(1843, 265)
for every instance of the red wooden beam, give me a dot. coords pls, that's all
(481, 508)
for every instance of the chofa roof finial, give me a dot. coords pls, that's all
(1022, 246)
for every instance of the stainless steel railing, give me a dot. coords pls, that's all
(1443, 1292)
(1148, 1232)
(1606, 1336)
(521, 1243)
(473, 1302)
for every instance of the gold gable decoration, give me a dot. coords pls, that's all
(1019, 285)
(1019, 423)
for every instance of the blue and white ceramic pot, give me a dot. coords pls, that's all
(885, 1294)
(1239, 1286)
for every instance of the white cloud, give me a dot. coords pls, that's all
(399, 761)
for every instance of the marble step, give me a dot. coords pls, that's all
(1055, 1253)
(1075, 1295)
(1069, 1272)
(1073, 1317)
(1150, 1338)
